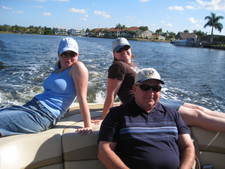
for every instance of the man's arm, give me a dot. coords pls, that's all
(187, 151)
(108, 157)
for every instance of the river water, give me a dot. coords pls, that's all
(195, 75)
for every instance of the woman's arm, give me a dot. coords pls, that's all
(202, 117)
(80, 77)
(113, 86)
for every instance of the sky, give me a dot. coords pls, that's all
(168, 15)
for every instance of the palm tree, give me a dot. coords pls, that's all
(213, 21)
(119, 26)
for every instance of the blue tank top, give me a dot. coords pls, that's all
(59, 93)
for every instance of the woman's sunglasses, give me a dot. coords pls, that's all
(146, 87)
(123, 48)
(68, 54)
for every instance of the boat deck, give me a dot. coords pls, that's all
(62, 148)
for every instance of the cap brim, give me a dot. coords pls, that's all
(150, 79)
(68, 49)
(119, 46)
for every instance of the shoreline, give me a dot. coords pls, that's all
(136, 39)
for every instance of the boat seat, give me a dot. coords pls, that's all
(62, 148)
(81, 151)
(37, 150)
(211, 147)
(31, 151)
(45, 149)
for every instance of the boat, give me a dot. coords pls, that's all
(179, 42)
(191, 42)
(62, 148)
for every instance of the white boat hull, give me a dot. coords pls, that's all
(188, 43)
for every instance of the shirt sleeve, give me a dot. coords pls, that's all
(181, 125)
(116, 71)
(109, 130)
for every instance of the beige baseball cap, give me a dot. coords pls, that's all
(147, 74)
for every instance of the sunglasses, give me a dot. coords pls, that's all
(68, 55)
(145, 87)
(123, 48)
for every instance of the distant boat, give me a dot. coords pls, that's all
(186, 42)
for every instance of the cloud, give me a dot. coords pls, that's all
(144, 0)
(52, 0)
(212, 5)
(6, 7)
(61, 0)
(74, 10)
(37, 6)
(189, 7)
(80, 11)
(195, 22)
(166, 24)
(19, 12)
(192, 20)
(130, 17)
(46, 14)
(85, 17)
(176, 8)
(41, 0)
(102, 13)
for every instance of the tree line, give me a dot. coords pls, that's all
(28, 30)
(50, 31)
(213, 21)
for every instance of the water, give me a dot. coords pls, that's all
(195, 75)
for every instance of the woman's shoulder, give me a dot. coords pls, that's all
(117, 66)
(120, 65)
(78, 66)
(118, 62)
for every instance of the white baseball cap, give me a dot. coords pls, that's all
(68, 44)
(119, 43)
(147, 74)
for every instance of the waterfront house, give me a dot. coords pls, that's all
(185, 36)
(186, 39)
(131, 32)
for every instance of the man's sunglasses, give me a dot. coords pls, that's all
(146, 87)
(123, 48)
(68, 54)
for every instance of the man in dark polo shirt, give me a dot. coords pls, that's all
(144, 134)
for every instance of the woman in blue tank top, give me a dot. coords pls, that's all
(69, 81)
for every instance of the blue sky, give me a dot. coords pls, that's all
(170, 15)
